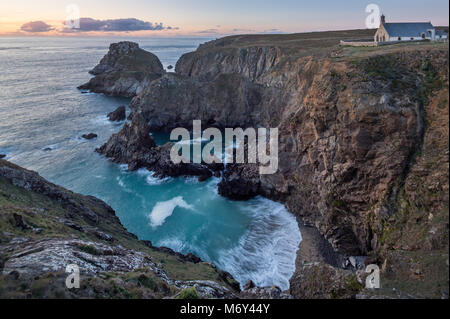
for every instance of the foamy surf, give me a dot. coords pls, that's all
(163, 210)
(267, 253)
(151, 179)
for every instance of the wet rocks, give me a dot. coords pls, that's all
(2, 156)
(125, 71)
(229, 101)
(89, 136)
(240, 182)
(130, 145)
(118, 115)
(134, 146)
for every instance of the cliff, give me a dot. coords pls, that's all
(44, 228)
(124, 71)
(362, 156)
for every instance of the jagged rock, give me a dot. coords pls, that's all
(89, 136)
(125, 71)
(104, 236)
(240, 182)
(249, 285)
(2, 156)
(118, 115)
(192, 258)
(134, 146)
(130, 145)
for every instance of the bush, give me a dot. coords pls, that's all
(188, 293)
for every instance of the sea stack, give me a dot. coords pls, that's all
(125, 71)
(118, 115)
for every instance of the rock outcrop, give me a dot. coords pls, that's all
(89, 136)
(134, 146)
(125, 71)
(118, 114)
(228, 101)
(45, 228)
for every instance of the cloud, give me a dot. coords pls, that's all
(36, 26)
(273, 31)
(243, 30)
(208, 31)
(118, 25)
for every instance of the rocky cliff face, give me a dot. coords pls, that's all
(125, 71)
(44, 228)
(351, 122)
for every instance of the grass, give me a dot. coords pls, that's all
(188, 293)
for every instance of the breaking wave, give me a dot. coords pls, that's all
(151, 179)
(267, 253)
(163, 210)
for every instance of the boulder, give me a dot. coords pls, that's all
(118, 115)
(89, 136)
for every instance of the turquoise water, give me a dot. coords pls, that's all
(41, 109)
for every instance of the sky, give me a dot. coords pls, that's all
(204, 17)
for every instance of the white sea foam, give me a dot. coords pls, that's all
(193, 141)
(191, 180)
(267, 253)
(100, 120)
(163, 210)
(151, 179)
(123, 185)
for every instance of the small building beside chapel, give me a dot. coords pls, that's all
(407, 31)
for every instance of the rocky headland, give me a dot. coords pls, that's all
(125, 71)
(363, 148)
